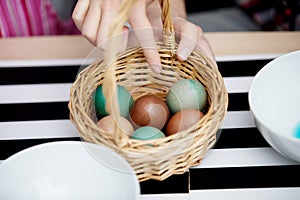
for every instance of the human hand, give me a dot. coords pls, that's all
(191, 37)
(93, 18)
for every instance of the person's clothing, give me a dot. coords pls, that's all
(273, 15)
(32, 18)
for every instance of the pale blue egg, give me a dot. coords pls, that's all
(147, 133)
(186, 94)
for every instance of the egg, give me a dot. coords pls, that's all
(124, 98)
(186, 93)
(149, 110)
(182, 120)
(107, 124)
(147, 133)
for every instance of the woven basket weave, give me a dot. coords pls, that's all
(160, 158)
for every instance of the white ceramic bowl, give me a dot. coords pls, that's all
(67, 170)
(274, 100)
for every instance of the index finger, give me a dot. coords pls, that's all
(144, 33)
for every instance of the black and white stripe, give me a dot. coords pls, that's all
(33, 106)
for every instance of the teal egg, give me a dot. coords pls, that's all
(186, 94)
(147, 133)
(124, 98)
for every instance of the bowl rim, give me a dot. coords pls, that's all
(84, 145)
(250, 95)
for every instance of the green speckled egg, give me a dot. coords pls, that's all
(147, 133)
(186, 94)
(124, 98)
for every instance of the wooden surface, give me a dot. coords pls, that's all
(243, 43)
(76, 47)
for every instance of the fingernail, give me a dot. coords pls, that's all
(184, 54)
(156, 68)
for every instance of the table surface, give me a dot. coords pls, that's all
(35, 79)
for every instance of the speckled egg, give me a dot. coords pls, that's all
(124, 98)
(186, 93)
(147, 133)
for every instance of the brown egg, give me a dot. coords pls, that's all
(107, 124)
(183, 120)
(149, 110)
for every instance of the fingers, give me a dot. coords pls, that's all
(94, 17)
(191, 38)
(188, 38)
(147, 42)
(203, 44)
(109, 10)
(89, 24)
(124, 39)
(144, 33)
(79, 12)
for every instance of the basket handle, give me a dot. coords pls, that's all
(168, 28)
(110, 54)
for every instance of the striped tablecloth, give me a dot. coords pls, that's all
(33, 110)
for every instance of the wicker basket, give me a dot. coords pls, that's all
(174, 154)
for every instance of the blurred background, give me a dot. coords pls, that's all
(231, 15)
(218, 15)
(245, 15)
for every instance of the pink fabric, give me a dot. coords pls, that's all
(32, 18)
